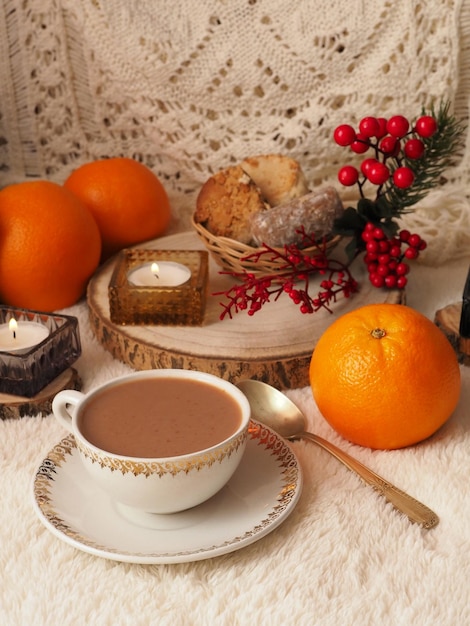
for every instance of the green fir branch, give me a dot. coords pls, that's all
(441, 151)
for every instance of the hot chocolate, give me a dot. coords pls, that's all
(159, 417)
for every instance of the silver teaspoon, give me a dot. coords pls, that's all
(274, 409)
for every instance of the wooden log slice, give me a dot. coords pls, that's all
(14, 407)
(274, 345)
(448, 320)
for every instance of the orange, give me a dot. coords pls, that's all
(49, 246)
(127, 200)
(384, 376)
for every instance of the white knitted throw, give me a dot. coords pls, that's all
(189, 88)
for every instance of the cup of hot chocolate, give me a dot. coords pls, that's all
(158, 441)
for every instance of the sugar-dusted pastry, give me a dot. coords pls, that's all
(226, 202)
(315, 212)
(279, 177)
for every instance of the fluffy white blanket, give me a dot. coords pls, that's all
(343, 556)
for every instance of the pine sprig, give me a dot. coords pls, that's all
(440, 154)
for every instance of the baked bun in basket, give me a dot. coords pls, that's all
(280, 178)
(263, 200)
(227, 201)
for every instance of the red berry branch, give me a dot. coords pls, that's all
(385, 260)
(405, 161)
(292, 278)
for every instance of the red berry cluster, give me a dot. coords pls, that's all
(385, 260)
(336, 282)
(390, 139)
(292, 279)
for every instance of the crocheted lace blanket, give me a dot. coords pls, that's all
(189, 88)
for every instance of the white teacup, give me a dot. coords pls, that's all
(161, 483)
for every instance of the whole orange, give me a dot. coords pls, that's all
(127, 200)
(49, 246)
(384, 376)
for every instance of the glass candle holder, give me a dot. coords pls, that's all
(34, 351)
(151, 287)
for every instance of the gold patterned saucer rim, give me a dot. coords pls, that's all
(260, 496)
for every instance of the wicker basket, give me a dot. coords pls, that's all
(231, 255)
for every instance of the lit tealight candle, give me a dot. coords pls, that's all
(163, 274)
(21, 335)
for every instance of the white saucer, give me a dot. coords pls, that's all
(259, 497)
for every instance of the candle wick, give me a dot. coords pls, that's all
(14, 334)
(155, 270)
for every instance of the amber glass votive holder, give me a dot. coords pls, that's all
(26, 372)
(177, 305)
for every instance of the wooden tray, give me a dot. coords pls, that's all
(274, 345)
(448, 320)
(14, 407)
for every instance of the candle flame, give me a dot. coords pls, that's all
(13, 325)
(155, 269)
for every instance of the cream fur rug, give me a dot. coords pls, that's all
(188, 90)
(343, 556)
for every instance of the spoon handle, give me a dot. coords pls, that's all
(416, 511)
